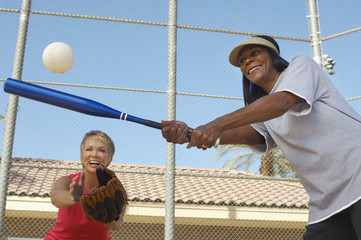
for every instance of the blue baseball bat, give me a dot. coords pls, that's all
(72, 102)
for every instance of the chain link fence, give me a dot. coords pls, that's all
(121, 60)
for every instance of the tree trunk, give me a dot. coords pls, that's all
(266, 167)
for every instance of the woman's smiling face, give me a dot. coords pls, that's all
(95, 152)
(257, 66)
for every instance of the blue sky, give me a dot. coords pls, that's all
(125, 55)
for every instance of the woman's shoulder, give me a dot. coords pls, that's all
(71, 176)
(302, 58)
(303, 62)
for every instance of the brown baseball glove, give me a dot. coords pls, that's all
(105, 203)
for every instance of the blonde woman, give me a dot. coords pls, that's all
(96, 149)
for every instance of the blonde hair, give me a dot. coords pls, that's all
(101, 136)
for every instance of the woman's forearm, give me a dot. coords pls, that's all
(265, 108)
(61, 198)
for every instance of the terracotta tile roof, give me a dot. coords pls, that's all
(147, 183)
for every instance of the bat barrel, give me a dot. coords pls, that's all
(60, 99)
(71, 102)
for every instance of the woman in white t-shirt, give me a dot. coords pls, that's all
(296, 107)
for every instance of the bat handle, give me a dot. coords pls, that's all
(153, 124)
(216, 144)
(158, 125)
(189, 135)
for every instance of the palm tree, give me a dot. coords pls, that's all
(273, 163)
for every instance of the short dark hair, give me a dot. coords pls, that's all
(251, 91)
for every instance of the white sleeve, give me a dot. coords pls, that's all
(268, 143)
(302, 79)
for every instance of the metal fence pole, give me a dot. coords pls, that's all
(171, 113)
(315, 33)
(12, 110)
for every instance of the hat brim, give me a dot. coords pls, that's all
(234, 55)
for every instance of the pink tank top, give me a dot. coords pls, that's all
(72, 224)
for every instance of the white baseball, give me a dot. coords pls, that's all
(58, 57)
